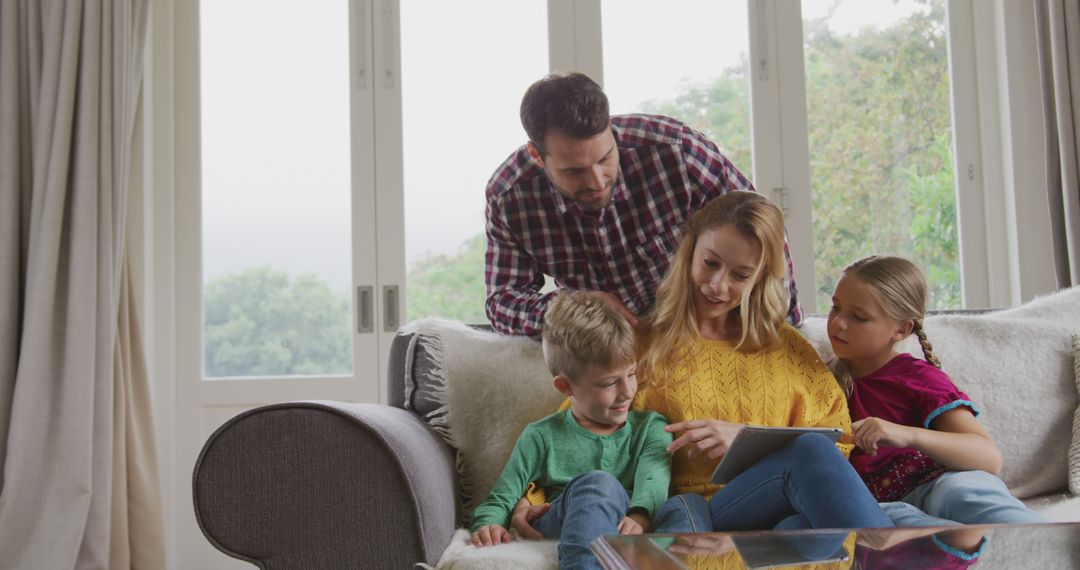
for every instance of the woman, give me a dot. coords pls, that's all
(716, 355)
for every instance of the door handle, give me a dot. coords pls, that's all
(391, 318)
(363, 309)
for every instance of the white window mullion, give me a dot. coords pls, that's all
(389, 186)
(574, 38)
(363, 18)
(778, 116)
(967, 159)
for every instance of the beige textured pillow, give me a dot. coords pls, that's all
(493, 386)
(1018, 367)
(1074, 449)
(1020, 374)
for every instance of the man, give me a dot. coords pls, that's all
(596, 202)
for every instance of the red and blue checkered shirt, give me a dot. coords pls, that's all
(667, 171)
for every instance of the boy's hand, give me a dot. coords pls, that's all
(629, 526)
(524, 514)
(490, 535)
(872, 432)
(711, 438)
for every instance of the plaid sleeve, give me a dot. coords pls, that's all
(514, 302)
(718, 176)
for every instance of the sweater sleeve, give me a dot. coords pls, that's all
(653, 474)
(520, 469)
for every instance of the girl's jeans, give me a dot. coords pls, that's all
(967, 497)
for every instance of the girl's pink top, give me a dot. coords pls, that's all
(911, 392)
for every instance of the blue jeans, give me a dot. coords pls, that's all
(805, 484)
(590, 506)
(967, 497)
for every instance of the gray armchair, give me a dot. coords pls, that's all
(318, 484)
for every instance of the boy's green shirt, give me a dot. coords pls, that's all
(553, 450)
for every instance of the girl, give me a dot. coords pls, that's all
(917, 436)
(716, 355)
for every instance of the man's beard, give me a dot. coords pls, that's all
(580, 195)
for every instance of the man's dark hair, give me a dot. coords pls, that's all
(572, 104)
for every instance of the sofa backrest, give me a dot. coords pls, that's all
(1017, 364)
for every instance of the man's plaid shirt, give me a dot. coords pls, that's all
(667, 171)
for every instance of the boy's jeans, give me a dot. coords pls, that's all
(590, 506)
(967, 497)
(805, 484)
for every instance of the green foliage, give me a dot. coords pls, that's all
(880, 155)
(449, 286)
(880, 158)
(720, 109)
(258, 323)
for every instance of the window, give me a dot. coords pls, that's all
(276, 231)
(460, 98)
(880, 139)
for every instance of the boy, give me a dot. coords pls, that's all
(606, 467)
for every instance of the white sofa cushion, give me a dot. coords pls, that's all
(1020, 374)
(1017, 365)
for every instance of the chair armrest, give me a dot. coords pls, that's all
(322, 484)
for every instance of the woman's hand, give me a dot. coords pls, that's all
(709, 437)
(872, 432)
(524, 514)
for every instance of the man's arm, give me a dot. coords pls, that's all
(514, 304)
(718, 176)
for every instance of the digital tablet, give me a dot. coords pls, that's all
(755, 442)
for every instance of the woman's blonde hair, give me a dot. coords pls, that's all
(900, 288)
(671, 328)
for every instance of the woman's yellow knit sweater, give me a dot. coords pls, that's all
(784, 385)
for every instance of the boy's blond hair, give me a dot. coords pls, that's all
(581, 330)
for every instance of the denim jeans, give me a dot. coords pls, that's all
(590, 506)
(805, 484)
(967, 497)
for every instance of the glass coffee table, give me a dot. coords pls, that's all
(1024, 547)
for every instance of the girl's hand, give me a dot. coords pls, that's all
(709, 437)
(490, 535)
(629, 526)
(872, 432)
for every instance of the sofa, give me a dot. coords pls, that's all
(321, 484)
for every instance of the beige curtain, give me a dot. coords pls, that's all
(74, 412)
(137, 536)
(1058, 29)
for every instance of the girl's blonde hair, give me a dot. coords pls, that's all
(671, 329)
(900, 288)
